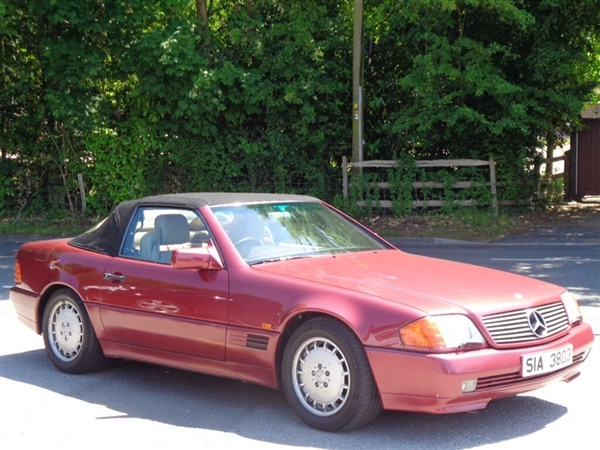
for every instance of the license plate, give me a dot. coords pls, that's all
(546, 362)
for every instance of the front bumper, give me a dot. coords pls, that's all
(432, 383)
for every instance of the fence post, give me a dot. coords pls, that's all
(493, 185)
(345, 176)
(81, 193)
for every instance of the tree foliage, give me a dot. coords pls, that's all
(148, 97)
(474, 77)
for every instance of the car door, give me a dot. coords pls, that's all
(146, 303)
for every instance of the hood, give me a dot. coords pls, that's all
(432, 285)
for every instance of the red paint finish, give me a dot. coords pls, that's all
(432, 383)
(158, 307)
(214, 312)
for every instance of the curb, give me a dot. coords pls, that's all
(428, 242)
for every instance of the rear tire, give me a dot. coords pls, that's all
(69, 338)
(327, 378)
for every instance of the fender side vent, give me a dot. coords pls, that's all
(257, 341)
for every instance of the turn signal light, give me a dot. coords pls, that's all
(442, 333)
(18, 279)
(423, 333)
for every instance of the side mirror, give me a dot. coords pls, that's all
(202, 258)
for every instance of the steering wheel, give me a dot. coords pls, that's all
(247, 240)
(246, 243)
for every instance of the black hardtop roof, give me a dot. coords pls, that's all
(107, 236)
(199, 199)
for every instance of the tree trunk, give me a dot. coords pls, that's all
(202, 13)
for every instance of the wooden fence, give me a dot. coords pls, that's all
(346, 166)
(555, 167)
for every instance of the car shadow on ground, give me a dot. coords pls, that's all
(184, 399)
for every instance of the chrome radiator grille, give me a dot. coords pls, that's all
(515, 326)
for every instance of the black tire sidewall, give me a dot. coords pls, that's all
(362, 382)
(90, 356)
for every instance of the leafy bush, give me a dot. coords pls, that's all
(143, 97)
(120, 165)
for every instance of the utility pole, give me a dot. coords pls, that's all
(357, 83)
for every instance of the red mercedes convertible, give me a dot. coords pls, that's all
(287, 292)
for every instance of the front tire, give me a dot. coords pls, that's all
(327, 378)
(69, 338)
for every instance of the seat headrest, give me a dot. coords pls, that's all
(174, 228)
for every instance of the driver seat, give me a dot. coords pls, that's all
(171, 231)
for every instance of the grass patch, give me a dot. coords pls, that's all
(465, 225)
(469, 225)
(46, 226)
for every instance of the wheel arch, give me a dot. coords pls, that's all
(45, 297)
(348, 405)
(291, 325)
(69, 338)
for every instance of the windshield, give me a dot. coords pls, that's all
(278, 231)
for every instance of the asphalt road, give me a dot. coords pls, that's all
(133, 405)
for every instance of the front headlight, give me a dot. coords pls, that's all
(442, 333)
(572, 307)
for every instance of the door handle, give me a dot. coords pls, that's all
(114, 277)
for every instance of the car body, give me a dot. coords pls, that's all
(287, 292)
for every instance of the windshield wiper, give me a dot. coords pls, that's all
(280, 258)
